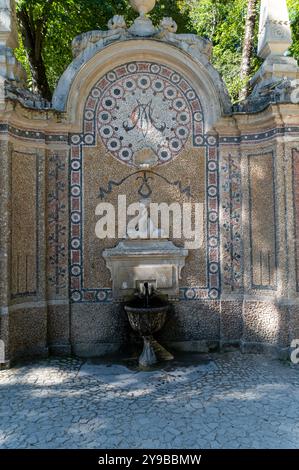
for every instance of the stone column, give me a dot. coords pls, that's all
(279, 78)
(4, 252)
(275, 38)
(10, 69)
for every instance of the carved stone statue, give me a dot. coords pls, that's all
(168, 28)
(168, 25)
(116, 30)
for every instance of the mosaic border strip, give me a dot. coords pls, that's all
(56, 209)
(232, 222)
(223, 140)
(274, 286)
(33, 135)
(295, 182)
(266, 135)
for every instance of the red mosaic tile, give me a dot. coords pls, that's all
(75, 204)
(91, 103)
(75, 231)
(75, 177)
(195, 105)
(120, 71)
(75, 256)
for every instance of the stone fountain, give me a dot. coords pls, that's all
(147, 315)
(148, 271)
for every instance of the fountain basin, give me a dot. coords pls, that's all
(146, 321)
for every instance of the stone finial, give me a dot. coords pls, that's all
(8, 29)
(275, 36)
(142, 26)
(272, 80)
(10, 69)
(143, 6)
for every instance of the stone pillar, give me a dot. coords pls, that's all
(8, 30)
(4, 252)
(277, 81)
(10, 69)
(275, 38)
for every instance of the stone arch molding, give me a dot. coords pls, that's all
(86, 70)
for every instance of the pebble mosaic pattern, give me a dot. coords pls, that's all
(144, 110)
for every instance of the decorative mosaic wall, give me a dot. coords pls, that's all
(262, 221)
(137, 106)
(296, 209)
(24, 232)
(25, 284)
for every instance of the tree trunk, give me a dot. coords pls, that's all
(39, 77)
(248, 47)
(32, 35)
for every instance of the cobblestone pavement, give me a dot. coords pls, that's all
(219, 401)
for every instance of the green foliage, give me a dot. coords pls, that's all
(65, 19)
(294, 17)
(178, 9)
(222, 21)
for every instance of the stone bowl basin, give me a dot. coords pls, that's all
(147, 321)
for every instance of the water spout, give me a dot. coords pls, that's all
(147, 294)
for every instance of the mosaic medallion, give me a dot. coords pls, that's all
(145, 115)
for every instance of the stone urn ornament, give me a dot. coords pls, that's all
(143, 6)
(143, 26)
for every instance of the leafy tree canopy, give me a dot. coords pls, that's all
(54, 23)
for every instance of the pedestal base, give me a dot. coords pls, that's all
(153, 353)
(5, 365)
(142, 27)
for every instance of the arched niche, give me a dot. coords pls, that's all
(84, 72)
